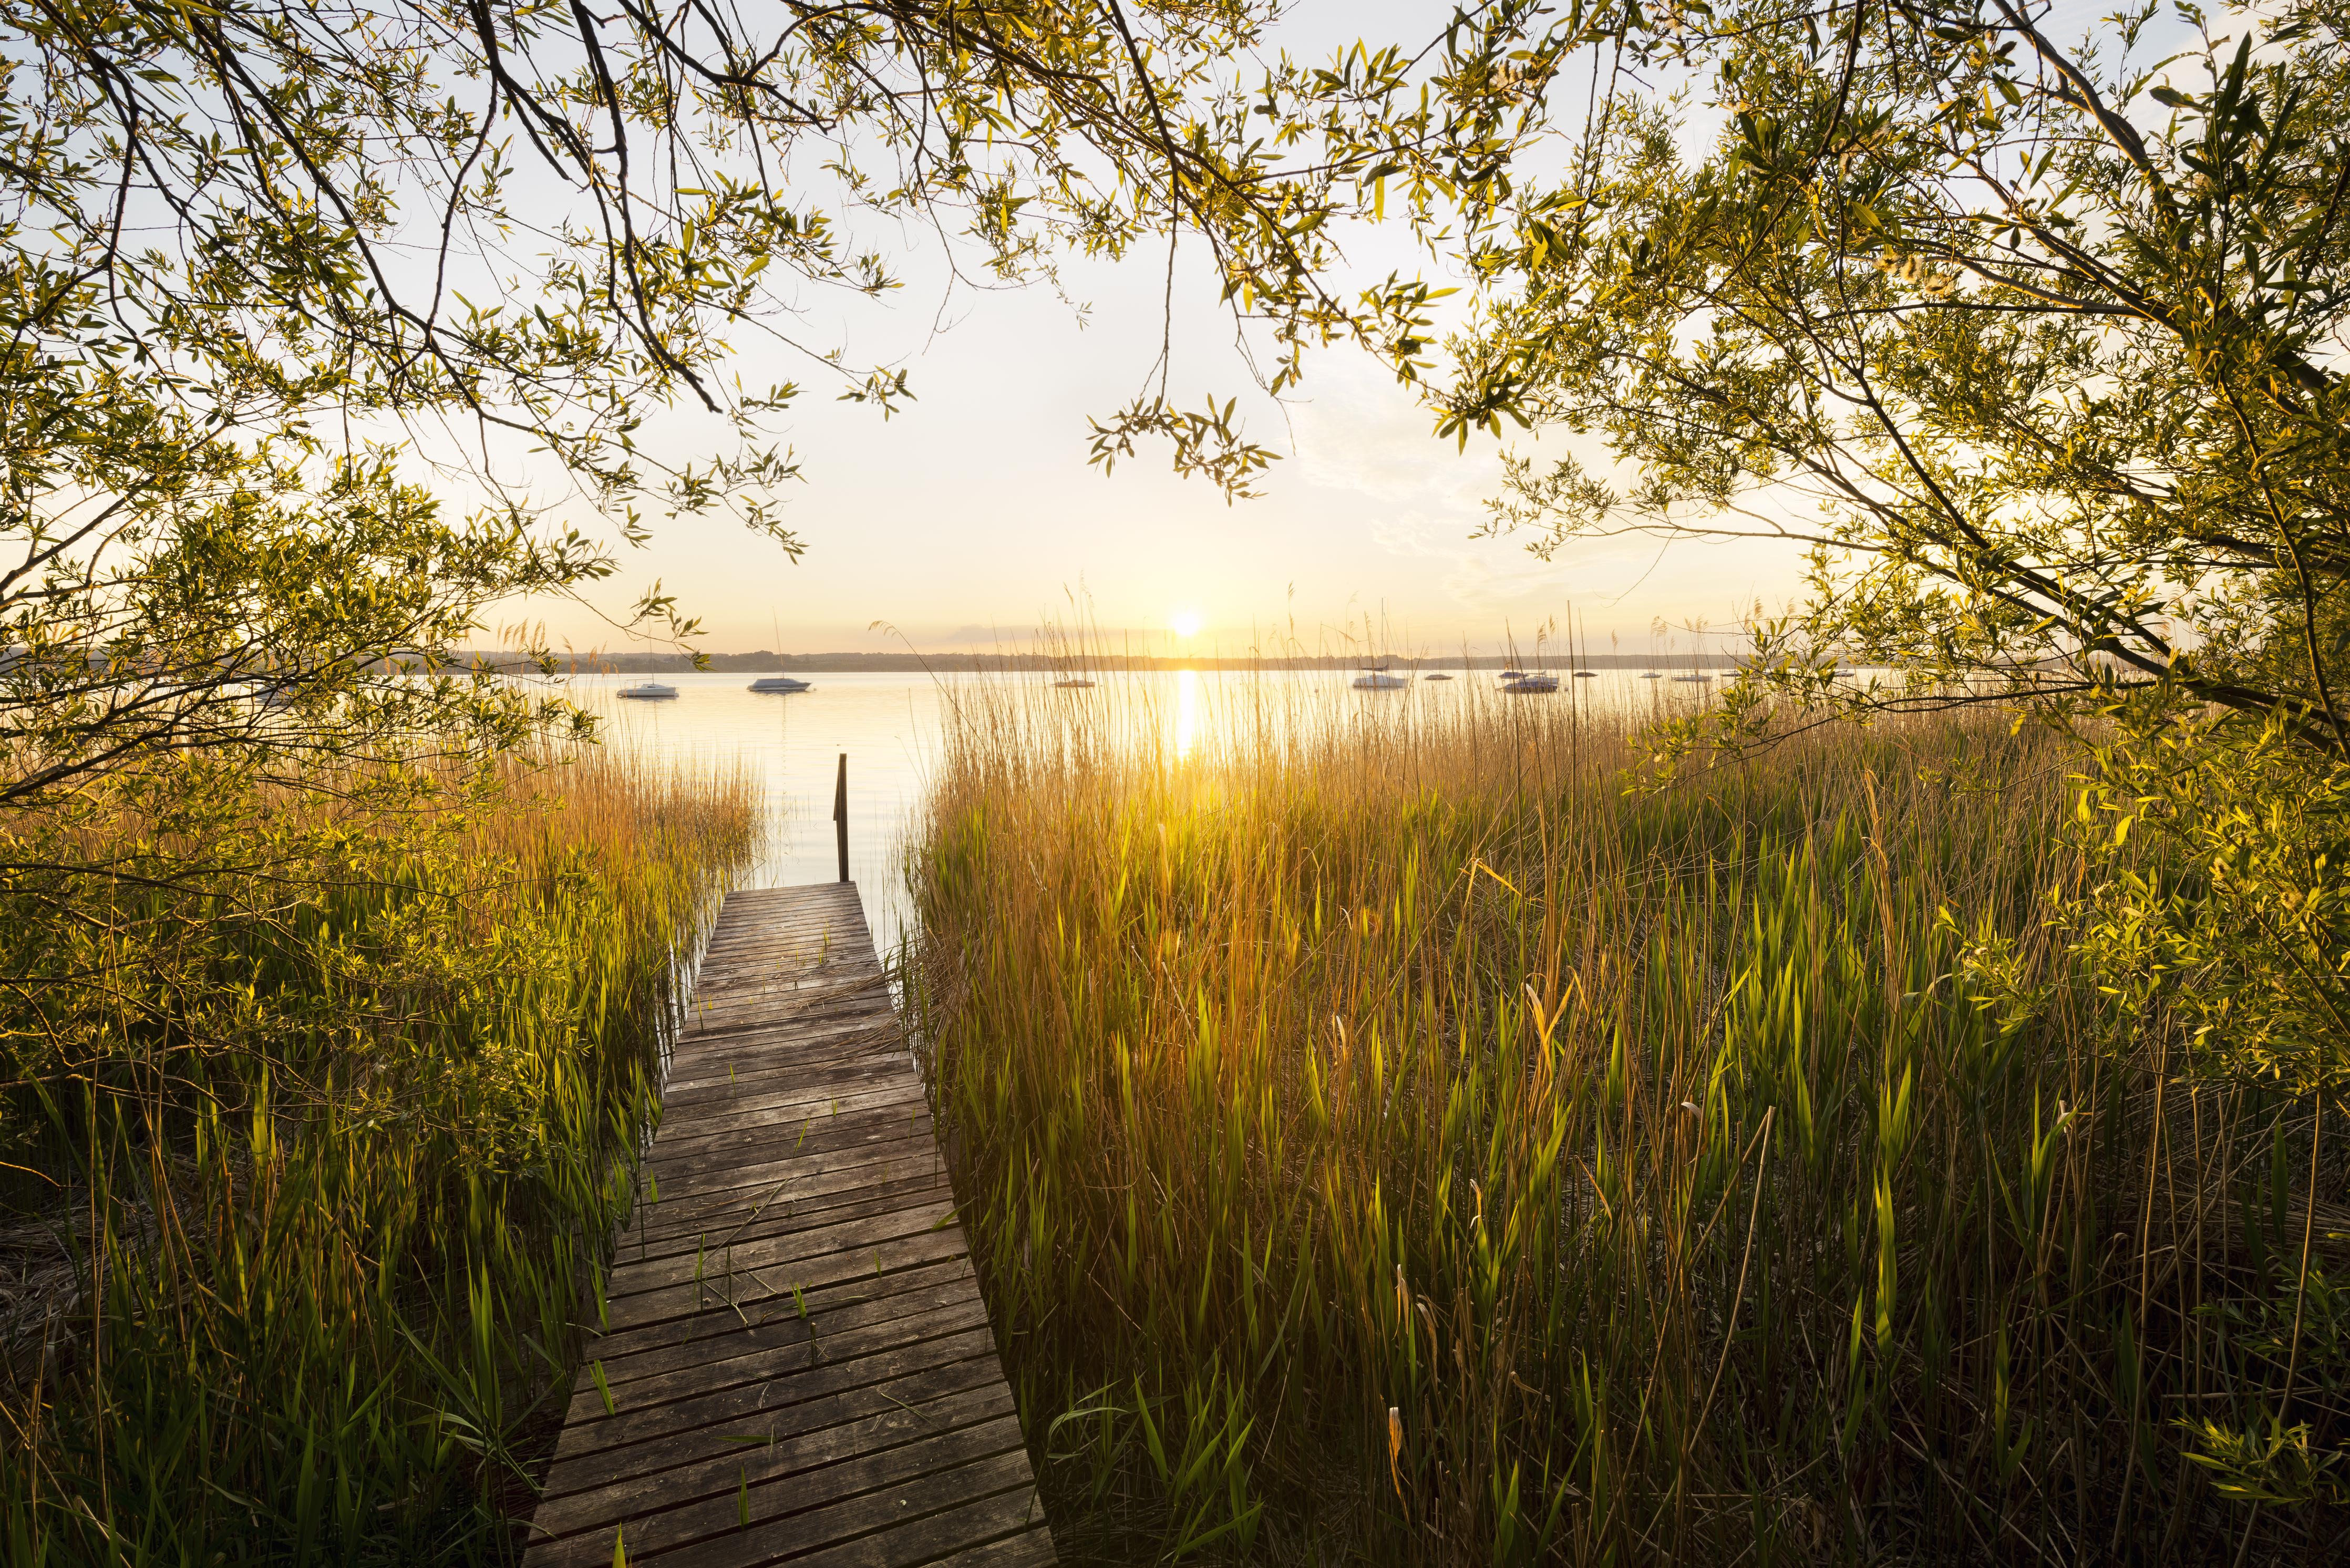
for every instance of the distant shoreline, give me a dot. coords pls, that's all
(1039, 663)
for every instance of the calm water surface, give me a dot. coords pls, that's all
(892, 727)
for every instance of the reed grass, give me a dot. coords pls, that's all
(1423, 1140)
(300, 1244)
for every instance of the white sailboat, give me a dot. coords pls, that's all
(650, 691)
(778, 684)
(1375, 678)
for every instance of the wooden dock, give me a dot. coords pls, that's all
(796, 1364)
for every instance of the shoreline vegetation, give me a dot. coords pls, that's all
(313, 1163)
(1457, 1141)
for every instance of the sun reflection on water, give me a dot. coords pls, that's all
(1186, 713)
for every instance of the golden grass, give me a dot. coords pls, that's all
(327, 1151)
(1394, 1141)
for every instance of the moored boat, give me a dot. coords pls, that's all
(649, 691)
(773, 683)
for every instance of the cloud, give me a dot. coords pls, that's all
(1363, 433)
(1422, 499)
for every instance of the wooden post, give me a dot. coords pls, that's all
(840, 814)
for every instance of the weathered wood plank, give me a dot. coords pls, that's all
(761, 1126)
(752, 1212)
(707, 1345)
(741, 1258)
(1033, 1544)
(793, 1361)
(746, 1388)
(914, 1521)
(767, 1456)
(785, 1516)
(776, 1207)
(728, 1080)
(691, 1181)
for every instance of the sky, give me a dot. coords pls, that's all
(971, 518)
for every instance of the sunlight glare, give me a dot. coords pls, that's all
(1185, 623)
(1186, 713)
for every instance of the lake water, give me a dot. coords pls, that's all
(892, 727)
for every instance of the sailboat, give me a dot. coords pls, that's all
(778, 684)
(1528, 682)
(650, 691)
(1375, 678)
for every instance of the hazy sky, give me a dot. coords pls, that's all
(972, 518)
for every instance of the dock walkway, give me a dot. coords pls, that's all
(797, 1365)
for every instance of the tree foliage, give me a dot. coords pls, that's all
(257, 258)
(333, 326)
(2048, 342)
(2033, 343)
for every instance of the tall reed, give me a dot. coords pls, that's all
(1420, 1140)
(312, 1230)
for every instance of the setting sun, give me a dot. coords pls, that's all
(1186, 623)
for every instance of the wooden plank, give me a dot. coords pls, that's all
(763, 1294)
(1032, 1545)
(753, 1212)
(731, 1148)
(915, 1521)
(768, 1211)
(707, 1460)
(792, 1341)
(727, 1080)
(773, 1458)
(792, 1361)
(740, 1258)
(780, 1517)
(759, 1124)
(690, 1181)
(829, 1306)
(744, 1389)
